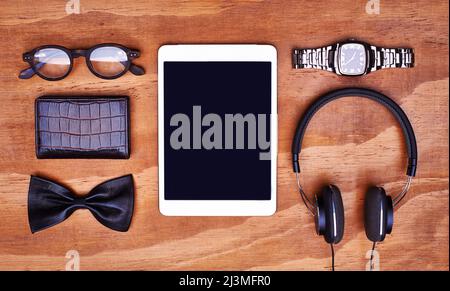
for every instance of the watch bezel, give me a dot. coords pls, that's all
(338, 56)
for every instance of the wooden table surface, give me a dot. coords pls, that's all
(352, 143)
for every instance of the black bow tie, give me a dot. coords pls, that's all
(111, 203)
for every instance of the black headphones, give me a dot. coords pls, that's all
(328, 208)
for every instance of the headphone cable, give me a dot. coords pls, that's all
(304, 197)
(332, 257)
(371, 256)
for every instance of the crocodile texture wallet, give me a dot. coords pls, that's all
(82, 127)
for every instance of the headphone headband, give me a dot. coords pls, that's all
(387, 102)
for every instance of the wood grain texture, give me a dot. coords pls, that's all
(352, 143)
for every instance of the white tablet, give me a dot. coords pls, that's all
(217, 130)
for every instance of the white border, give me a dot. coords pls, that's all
(266, 53)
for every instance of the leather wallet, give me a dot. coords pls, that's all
(82, 127)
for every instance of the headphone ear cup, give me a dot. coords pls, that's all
(378, 214)
(331, 210)
(319, 218)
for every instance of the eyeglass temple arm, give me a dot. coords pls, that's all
(137, 70)
(30, 72)
(27, 73)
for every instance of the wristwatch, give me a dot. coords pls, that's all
(353, 58)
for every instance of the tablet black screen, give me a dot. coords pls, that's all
(216, 145)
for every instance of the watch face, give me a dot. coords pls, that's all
(352, 59)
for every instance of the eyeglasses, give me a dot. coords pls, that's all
(106, 61)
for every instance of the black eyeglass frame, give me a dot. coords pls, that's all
(86, 53)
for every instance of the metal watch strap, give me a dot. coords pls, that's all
(318, 58)
(392, 58)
